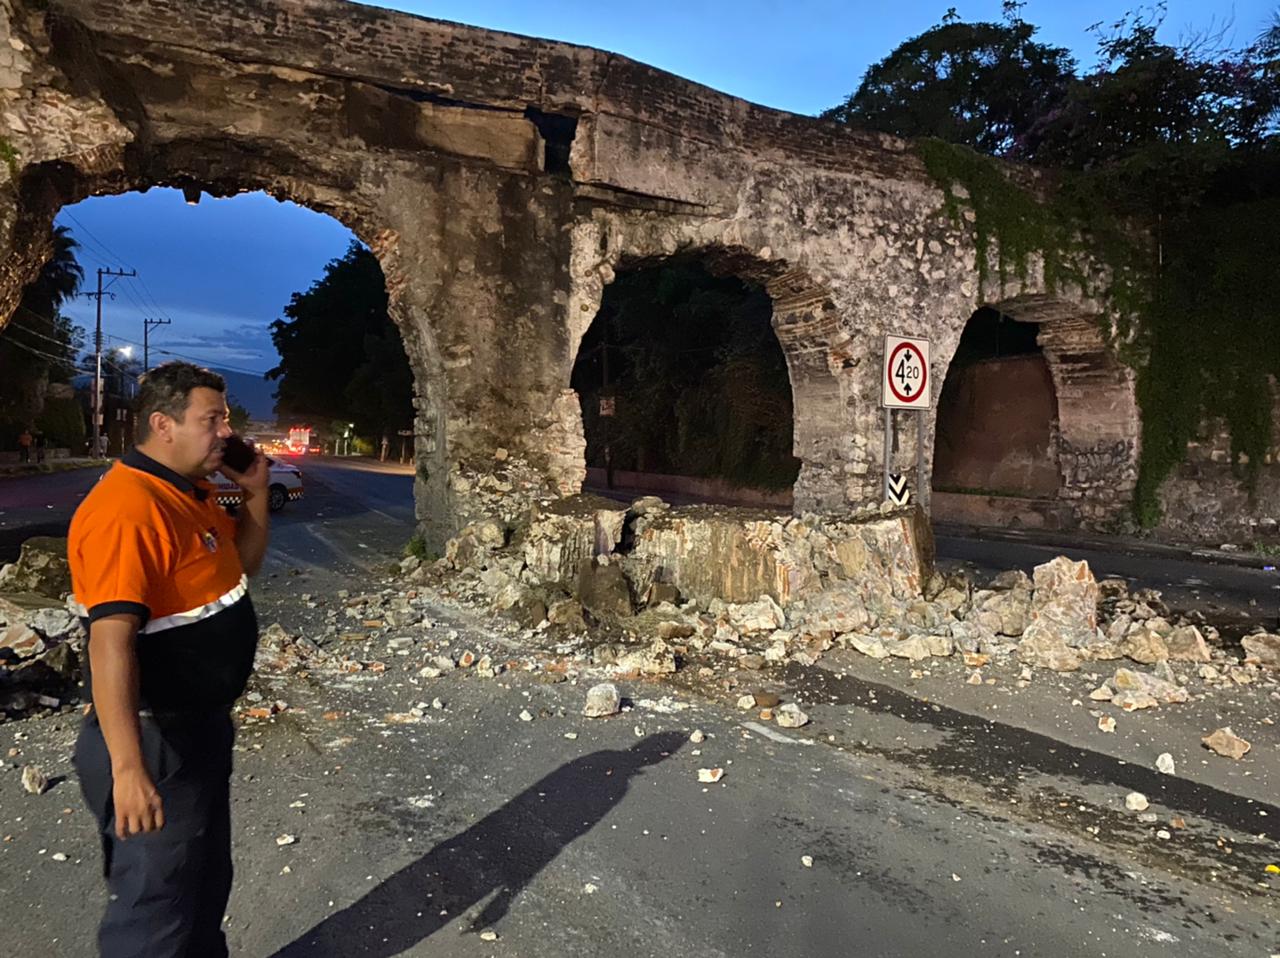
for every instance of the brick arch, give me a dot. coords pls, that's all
(1097, 434)
(809, 332)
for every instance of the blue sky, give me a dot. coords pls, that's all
(223, 270)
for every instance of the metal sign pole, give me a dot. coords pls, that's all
(921, 489)
(888, 446)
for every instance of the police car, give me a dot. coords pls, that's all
(285, 485)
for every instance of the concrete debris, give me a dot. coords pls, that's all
(1136, 802)
(791, 716)
(41, 569)
(1262, 649)
(1165, 764)
(697, 737)
(709, 776)
(1045, 648)
(1065, 601)
(1187, 644)
(659, 659)
(34, 780)
(1226, 743)
(603, 700)
(1144, 645)
(603, 589)
(763, 615)
(1107, 723)
(1144, 684)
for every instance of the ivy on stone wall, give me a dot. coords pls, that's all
(1062, 227)
(1191, 307)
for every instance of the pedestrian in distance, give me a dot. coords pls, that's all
(39, 444)
(160, 573)
(24, 445)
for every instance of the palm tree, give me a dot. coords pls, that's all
(39, 342)
(59, 278)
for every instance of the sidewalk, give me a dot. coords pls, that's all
(1130, 545)
(50, 465)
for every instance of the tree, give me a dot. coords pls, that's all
(39, 344)
(699, 377)
(978, 84)
(341, 356)
(1154, 124)
(238, 416)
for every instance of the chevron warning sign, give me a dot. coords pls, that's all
(897, 490)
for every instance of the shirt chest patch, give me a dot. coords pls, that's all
(210, 539)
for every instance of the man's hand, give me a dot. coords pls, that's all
(253, 480)
(137, 803)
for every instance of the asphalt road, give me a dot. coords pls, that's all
(890, 826)
(355, 515)
(358, 514)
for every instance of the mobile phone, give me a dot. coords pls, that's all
(237, 453)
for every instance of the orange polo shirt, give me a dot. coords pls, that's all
(149, 541)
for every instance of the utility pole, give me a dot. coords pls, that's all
(146, 347)
(97, 350)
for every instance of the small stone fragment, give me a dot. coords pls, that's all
(1107, 723)
(285, 839)
(710, 776)
(488, 935)
(525, 716)
(1227, 743)
(1136, 802)
(1165, 763)
(975, 678)
(697, 737)
(59, 856)
(746, 702)
(1102, 693)
(34, 780)
(792, 716)
(603, 700)
(806, 861)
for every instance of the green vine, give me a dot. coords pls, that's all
(9, 155)
(1196, 322)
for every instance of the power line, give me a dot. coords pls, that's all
(59, 360)
(194, 359)
(101, 245)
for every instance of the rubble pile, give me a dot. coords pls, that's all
(40, 637)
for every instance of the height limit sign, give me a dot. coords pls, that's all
(906, 373)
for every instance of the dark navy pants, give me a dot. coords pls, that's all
(167, 889)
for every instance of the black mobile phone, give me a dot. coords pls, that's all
(237, 453)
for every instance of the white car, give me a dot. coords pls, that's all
(285, 485)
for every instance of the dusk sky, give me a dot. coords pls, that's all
(223, 270)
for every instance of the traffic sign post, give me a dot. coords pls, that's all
(905, 384)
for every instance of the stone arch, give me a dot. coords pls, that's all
(1096, 439)
(226, 168)
(997, 413)
(804, 320)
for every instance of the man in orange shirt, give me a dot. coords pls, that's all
(160, 572)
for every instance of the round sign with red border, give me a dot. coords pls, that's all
(906, 373)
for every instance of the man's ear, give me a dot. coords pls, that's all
(161, 426)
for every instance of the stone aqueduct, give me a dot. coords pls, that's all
(501, 181)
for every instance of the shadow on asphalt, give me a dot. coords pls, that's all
(502, 853)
